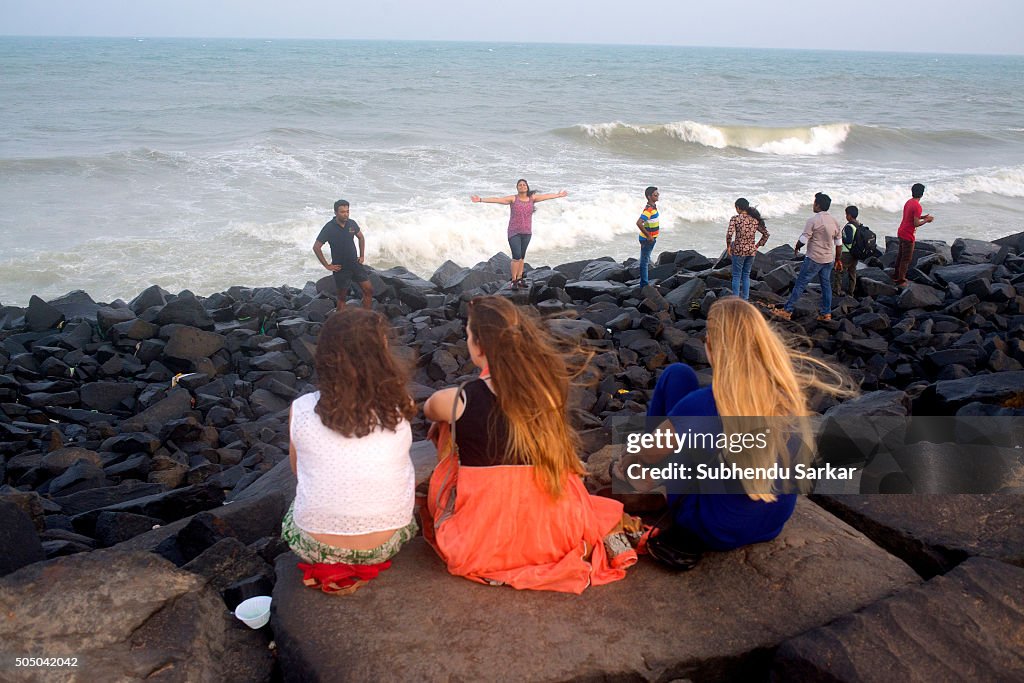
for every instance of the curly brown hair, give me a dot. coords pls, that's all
(362, 385)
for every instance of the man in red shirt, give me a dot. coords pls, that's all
(912, 220)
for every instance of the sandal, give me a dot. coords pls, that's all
(781, 313)
(825, 317)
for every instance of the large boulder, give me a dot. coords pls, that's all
(124, 616)
(714, 622)
(965, 626)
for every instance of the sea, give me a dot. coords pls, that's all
(200, 164)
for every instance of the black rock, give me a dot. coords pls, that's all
(78, 477)
(189, 343)
(148, 298)
(114, 527)
(76, 305)
(962, 274)
(42, 316)
(92, 499)
(108, 396)
(19, 540)
(185, 310)
(108, 316)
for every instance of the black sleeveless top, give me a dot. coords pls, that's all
(482, 439)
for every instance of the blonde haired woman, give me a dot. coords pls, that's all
(760, 382)
(509, 506)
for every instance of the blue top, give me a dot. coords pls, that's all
(723, 521)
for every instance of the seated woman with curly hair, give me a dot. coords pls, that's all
(508, 505)
(350, 442)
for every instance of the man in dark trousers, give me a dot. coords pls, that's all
(848, 273)
(913, 218)
(346, 264)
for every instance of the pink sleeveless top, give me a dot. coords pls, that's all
(520, 220)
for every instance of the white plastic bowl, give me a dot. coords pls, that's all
(254, 612)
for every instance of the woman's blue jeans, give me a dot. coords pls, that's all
(741, 266)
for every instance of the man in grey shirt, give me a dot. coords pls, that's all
(824, 247)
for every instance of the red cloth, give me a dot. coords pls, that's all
(340, 574)
(911, 213)
(504, 527)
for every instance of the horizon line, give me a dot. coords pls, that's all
(514, 42)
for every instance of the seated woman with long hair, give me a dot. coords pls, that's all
(350, 440)
(509, 505)
(759, 381)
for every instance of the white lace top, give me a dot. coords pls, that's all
(346, 485)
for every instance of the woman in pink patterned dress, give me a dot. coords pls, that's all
(520, 223)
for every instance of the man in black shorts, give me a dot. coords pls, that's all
(345, 264)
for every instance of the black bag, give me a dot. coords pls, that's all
(864, 244)
(674, 546)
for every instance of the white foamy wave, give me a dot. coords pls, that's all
(805, 141)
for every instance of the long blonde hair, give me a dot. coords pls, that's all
(531, 384)
(760, 374)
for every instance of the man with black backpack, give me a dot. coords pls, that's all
(858, 244)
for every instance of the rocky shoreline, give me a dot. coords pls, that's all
(129, 426)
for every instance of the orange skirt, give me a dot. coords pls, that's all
(497, 525)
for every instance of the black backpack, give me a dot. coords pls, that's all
(864, 244)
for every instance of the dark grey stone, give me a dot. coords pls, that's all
(41, 316)
(19, 540)
(956, 627)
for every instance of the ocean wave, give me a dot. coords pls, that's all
(803, 141)
(422, 231)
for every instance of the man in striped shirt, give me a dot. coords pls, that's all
(648, 223)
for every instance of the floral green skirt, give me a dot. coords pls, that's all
(311, 550)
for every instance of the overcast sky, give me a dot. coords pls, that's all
(975, 26)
